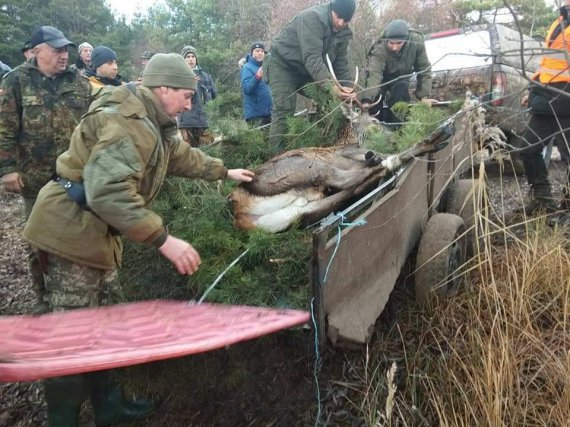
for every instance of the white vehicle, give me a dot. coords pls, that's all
(493, 62)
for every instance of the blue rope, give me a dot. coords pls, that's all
(317, 364)
(342, 223)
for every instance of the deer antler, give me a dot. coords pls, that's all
(331, 70)
(342, 88)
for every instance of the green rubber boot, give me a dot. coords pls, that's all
(109, 403)
(64, 396)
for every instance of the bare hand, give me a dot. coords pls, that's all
(12, 182)
(259, 73)
(344, 93)
(243, 175)
(429, 102)
(524, 101)
(182, 254)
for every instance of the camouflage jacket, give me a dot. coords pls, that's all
(304, 42)
(121, 151)
(37, 117)
(383, 64)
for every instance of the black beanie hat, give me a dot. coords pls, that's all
(397, 30)
(101, 55)
(257, 45)
(344, 8)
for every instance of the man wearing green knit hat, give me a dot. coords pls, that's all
(118, 157)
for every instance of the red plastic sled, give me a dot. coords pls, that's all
(51, 345)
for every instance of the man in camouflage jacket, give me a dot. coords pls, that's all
(118, 158)
(297, 58)
(41, 102)
(399, 53)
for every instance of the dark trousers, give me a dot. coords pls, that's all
(259, 121)
(197, 137)
(285, 83)
(394, 93)
(541, 128)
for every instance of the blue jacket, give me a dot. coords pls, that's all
(205, 92)
(256, 93)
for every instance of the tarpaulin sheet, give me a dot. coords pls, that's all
(50, 345)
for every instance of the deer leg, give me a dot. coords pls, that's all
(344, 179)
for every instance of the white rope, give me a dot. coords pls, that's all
(392, 163)
(213, 285)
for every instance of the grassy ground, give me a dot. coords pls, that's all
(494, 355)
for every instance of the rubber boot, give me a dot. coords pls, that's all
(109, 403)
(64, 396)
(541, 203)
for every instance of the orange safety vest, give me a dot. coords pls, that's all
(554, 65)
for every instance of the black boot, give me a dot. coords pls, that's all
(64, 396)
(109, 403)
(541, 202)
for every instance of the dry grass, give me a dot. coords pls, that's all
(496, 354)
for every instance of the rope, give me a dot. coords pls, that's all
(317, 364)
(213, 285)
(318, 361)
(342, 223)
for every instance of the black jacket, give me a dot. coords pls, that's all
(205, 91)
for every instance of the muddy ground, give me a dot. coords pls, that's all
(268, 381)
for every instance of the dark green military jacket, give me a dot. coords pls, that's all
(37, 116)
(121, 152)
(302, 45)
(383, 63)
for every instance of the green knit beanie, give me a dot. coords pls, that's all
(169, 70)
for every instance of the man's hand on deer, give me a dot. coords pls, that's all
(429, 101)
(344, 93)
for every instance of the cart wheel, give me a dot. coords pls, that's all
(464, 202)
(441, 255)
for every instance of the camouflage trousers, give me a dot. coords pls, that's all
(69, 285)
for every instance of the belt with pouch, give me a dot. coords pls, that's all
(75, 191)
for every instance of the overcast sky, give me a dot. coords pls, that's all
(130, 7)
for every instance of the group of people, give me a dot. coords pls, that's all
(88, 164)
(89, 152)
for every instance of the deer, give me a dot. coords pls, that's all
(306, 184)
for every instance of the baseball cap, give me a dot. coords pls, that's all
(50, 35)
(27, 46)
